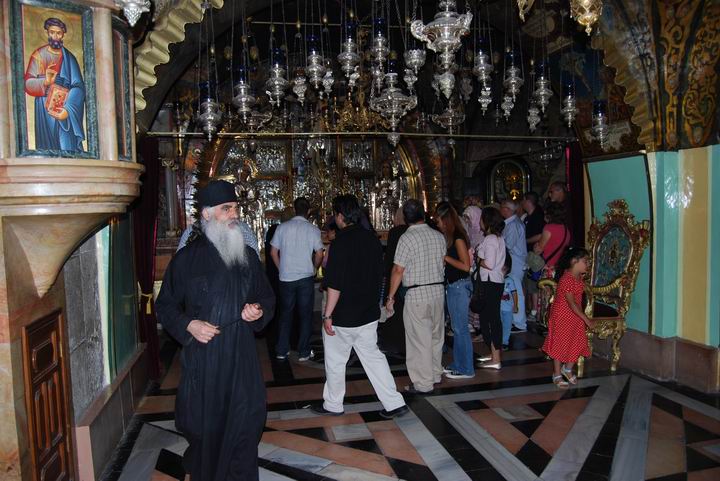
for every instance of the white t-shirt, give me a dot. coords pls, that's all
(297, 240)
(492, 251)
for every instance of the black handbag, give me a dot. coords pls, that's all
(478, 297)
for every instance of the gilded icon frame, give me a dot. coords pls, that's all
(83, 27)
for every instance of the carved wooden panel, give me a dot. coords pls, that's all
(46, 390)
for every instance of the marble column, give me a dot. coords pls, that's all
(48, 205)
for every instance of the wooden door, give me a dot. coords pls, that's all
(46, 389)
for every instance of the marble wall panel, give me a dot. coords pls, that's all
(80, 274)
(105, 432)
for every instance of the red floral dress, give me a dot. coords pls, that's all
(566, 340)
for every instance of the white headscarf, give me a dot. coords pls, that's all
(472, 216)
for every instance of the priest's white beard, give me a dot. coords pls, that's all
(227, 239)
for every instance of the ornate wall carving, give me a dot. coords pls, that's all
(699, 105)
(675, 26)
(666, 53)
(627, 39)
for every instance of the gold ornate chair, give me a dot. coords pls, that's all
(616, 246)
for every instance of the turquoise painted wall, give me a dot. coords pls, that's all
(667, 238)
(627, 179)
(714, 273)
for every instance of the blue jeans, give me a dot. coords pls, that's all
(507, 319)
(300, 293)
(458, 300)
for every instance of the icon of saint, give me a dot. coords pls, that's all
(54, 78)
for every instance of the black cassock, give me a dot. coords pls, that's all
(220, 403)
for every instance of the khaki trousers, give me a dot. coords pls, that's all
(424, 337)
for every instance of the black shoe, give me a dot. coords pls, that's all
(506, 347)
(517, 329)
(319, 409)
(395, 413)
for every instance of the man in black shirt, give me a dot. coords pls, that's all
(535, 219)
(534, 224)
(353, 278)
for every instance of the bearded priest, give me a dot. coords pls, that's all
(214, 297)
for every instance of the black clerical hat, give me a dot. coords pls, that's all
(215, 193)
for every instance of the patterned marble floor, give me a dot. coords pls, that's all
(508, 425)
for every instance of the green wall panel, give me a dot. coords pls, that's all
(667, 235)
(627, 179)
(714, 284)
(123, 293)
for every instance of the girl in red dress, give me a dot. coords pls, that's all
(566, 340)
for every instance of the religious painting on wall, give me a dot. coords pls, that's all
(509, 180)
(121, 67)
(54, 75)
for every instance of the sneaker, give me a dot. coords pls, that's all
(517, 329)
(320, 409)
(490, 365)
(483, 358)
(282, 357)
(459, 375)
(447, 370)
(308, 357)
(395, 413)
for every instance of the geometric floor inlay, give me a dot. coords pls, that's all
(513, 424)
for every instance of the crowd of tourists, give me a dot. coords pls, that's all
(471, 276)
(475, 271)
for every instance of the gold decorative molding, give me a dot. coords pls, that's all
(155, 50)
(700, 102)
(47, 206)
(630, 50)
(675, 29)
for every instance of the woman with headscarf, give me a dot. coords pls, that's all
(471, 218)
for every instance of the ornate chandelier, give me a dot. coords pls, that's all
(209, 113)
(542, 91)
(443, 35)
(569, 108)
(586, 12)
(348, 58)
(244, 100)
(133, 9)
(392, 103)
(315, 63)
(277, 83)
(533, 117)
(513, 79)
(450, 119)
(600, 128)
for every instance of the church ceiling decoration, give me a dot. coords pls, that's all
(700, 102)
(154, 51)
(665, 54)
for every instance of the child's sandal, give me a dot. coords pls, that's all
(560, 382)
(569, 376)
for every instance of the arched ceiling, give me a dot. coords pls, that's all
(171, 45)
(665, 56)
